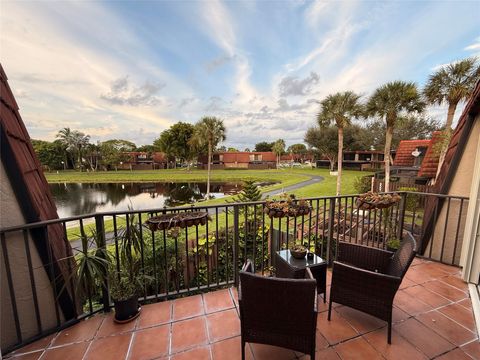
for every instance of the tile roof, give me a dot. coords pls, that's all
(404, 155)
(430, 161)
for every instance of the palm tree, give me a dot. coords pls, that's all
(451, 84)
(389, 102)
(211, 131)
(75, 141)
(339, 109)
(278, 148)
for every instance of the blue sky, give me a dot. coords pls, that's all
(129, 70)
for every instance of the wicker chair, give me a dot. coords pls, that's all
(279, 312)
(367, 279)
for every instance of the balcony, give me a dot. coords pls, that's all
(190, 311)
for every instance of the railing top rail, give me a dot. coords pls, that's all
(44, 223)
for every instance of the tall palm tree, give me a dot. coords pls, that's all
(451, 84)
(339, 109)
(389, 102)
(278, 148)
(211, 131)
(75, 141)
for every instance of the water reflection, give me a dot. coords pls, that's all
(82, 198)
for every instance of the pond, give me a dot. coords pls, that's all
(84, 198)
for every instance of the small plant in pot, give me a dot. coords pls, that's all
(393, 244)
(124, 290)
(298, 251)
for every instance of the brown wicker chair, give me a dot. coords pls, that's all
(279, 312)
(367, 279)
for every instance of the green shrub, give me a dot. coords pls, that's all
(362, 184)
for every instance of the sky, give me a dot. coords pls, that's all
(129, 70)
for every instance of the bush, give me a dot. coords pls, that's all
(412, 200)
(362, 184)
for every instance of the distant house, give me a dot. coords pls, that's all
(297, 158)
(138, 160)
(358, 160)
(240, 160)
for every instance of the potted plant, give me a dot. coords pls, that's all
(298, 251)
(287, 206)
(393, 244)
(371, 200)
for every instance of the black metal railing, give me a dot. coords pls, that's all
(184, 261)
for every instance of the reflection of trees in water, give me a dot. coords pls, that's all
(77, 199)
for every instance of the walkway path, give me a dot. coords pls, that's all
(313, 179)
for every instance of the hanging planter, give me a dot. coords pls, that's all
(287, 207)
(371, 200)
(183, 220)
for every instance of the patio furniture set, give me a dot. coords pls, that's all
(282, 310)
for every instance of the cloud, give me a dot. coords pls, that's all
(293, 86)
(474, 47)
(216, 63)
(121, 93)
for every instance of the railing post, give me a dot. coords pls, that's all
(331, 225)
(401, 220)
(100, 230)
(235, 243)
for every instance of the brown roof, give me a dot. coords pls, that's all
(430, 161)
(403, 156)
(244, 157)
(28, 181)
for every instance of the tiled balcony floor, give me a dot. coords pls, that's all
(433, 319)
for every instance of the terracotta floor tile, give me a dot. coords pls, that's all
(399, 315)
(416, 275)
(455, 354)
(188, 334)
(460, 314)
(202, 353)
(37, 345)
(69, 352)
(326, 354)
(234, 293)
(452, 270)
(230, 349)
(336, 330)
(357, 349)
(320, 341)
(360, 321)
(456, 281)
(223, 325)
(30, 356)
(423, 338)
(109, 348)
(399, 349)
(406, 283)
(436, 271)
(155, 314)
(467, 303)
(447, 328)
(447, 291)
(472, 349)
(84, 330)
(217, 301)
(187, 307)
(150, 343)
(110, 327)
(267, 352)
(409, 304)
(421, 293)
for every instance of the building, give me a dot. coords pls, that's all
(357, 160)
(137, 160)
(240, 160)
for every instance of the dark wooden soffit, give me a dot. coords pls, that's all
(450, 165)
(30, 185)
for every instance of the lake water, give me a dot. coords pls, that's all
(83, 198)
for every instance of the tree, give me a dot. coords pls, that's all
(264, 146)
(74, 141)
(53, 155)
(121, 145)
(388, 102)
(112, 154)
(146, 148)
(222, 148)
(164, 143)
(324, 141)
(232, 149)
(209, 131)
(451, 84)
(297, 149)
(339, 109)
(407, 128)
(249, 193)
(278, 148)
(247, 149)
